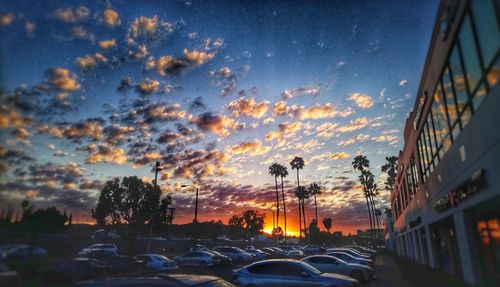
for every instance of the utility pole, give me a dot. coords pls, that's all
(157, 168)
(195, 211)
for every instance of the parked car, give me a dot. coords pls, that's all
(104, 234)
(69, 271)
(221, 259)
(8, 277)
(312, 249)
(351, 251)
(170, 280)
(22, 251)
(259, 254)
(287, 272)
(199, 247)
(99, 246)
(156, 262)
(350, 258)
(235, 253)
(292, 252)
(274, 251)
(196, 258)
(331, 264)
(122, 264)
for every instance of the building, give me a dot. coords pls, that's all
(446, 202)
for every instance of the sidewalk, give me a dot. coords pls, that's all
(387, 273)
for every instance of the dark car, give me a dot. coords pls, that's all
(122, 264)
(72, 270)
(313, 249)
(172, 280)
(8, 277)
(221, 259)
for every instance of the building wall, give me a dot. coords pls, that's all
(431, 228)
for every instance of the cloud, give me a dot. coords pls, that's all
(355, 139)
(111, 17)
(285, 130)
(197, 57)
(363, 101)
(148, 86)
(89, 129)
(106, 44)
(106, 154)
(317, 111)
(385, 138)
(88, 62)
(354, 125)
(69, 15)
(248, 107)
(253, 147)
(6, 19)
(217, 124)
(50, 172)
(403, 83)
(327, 130)
(163, 112)
(330, 156)
(62, 79)
(87, 184)
(311, 90)
(13, 119)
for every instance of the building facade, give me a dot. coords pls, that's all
(446, 201)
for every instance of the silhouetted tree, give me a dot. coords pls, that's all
(298, 163)
(283, 172)
(315, 189)
(327, 223)
(391, 169)
(249, 223)
(274, 170)
(360, 163)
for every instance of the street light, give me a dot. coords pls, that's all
(196, 201)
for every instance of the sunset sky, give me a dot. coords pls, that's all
(214, 90)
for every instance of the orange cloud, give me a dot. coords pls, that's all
(111, 17)
(248, 107)
(354, 125)
(252, 147)
(106, 44)
(363, 101)
(62, 79)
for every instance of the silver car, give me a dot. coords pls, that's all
(287, 272)
(236, 254)
(326, 263)
(350, 258)
(196, 258)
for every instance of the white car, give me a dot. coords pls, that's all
(111, 248)
(156, 262)
(196, 258)
(351, 251)
(331, 264)
(259, 254)
(350, 258)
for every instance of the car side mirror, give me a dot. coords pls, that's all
(305, 274)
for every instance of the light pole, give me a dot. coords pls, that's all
(157, 168)
(196, 201)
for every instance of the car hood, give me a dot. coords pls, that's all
(337, 276)
(361, 266)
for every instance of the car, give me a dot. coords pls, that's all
(236, 254)
(312, 249)
(156, 262)
(221, 259)
(292, 252)
(104, 234)
(122, 264)
(259, 254)
(331, 264)
(68, 271)
(164, 280)
(196, 258)
(99, 250)
(274, 251)
(351, 251)
(199, 247)
(350, 258)
(23, 251)
(8, 277)
(287, 272)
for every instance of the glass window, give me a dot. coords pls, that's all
(469, 54)
(488, 33)
(458, 80)
(479, 97)
(451, 106)
(494, 73)
(428, 142)
(435, 139)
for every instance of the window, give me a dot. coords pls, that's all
(276, 268)
(451, 105)
(488, 33)
(469, 54)
(322, 260)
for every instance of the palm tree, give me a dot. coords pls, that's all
(391, 169)
(283, 172)
(274, 170)
(327, 222)
(298, 163)
(315, 189)
(361, 162)
(301, 193)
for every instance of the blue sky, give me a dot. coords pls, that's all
(325, 80)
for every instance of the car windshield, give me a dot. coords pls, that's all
(310, 268)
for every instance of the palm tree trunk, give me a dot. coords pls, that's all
(300, 219)
(304, 214)
(316, 208)
(370, 216)
(277, 202)
(284, 206)
(375, 221)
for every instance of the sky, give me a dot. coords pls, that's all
(216, 91)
